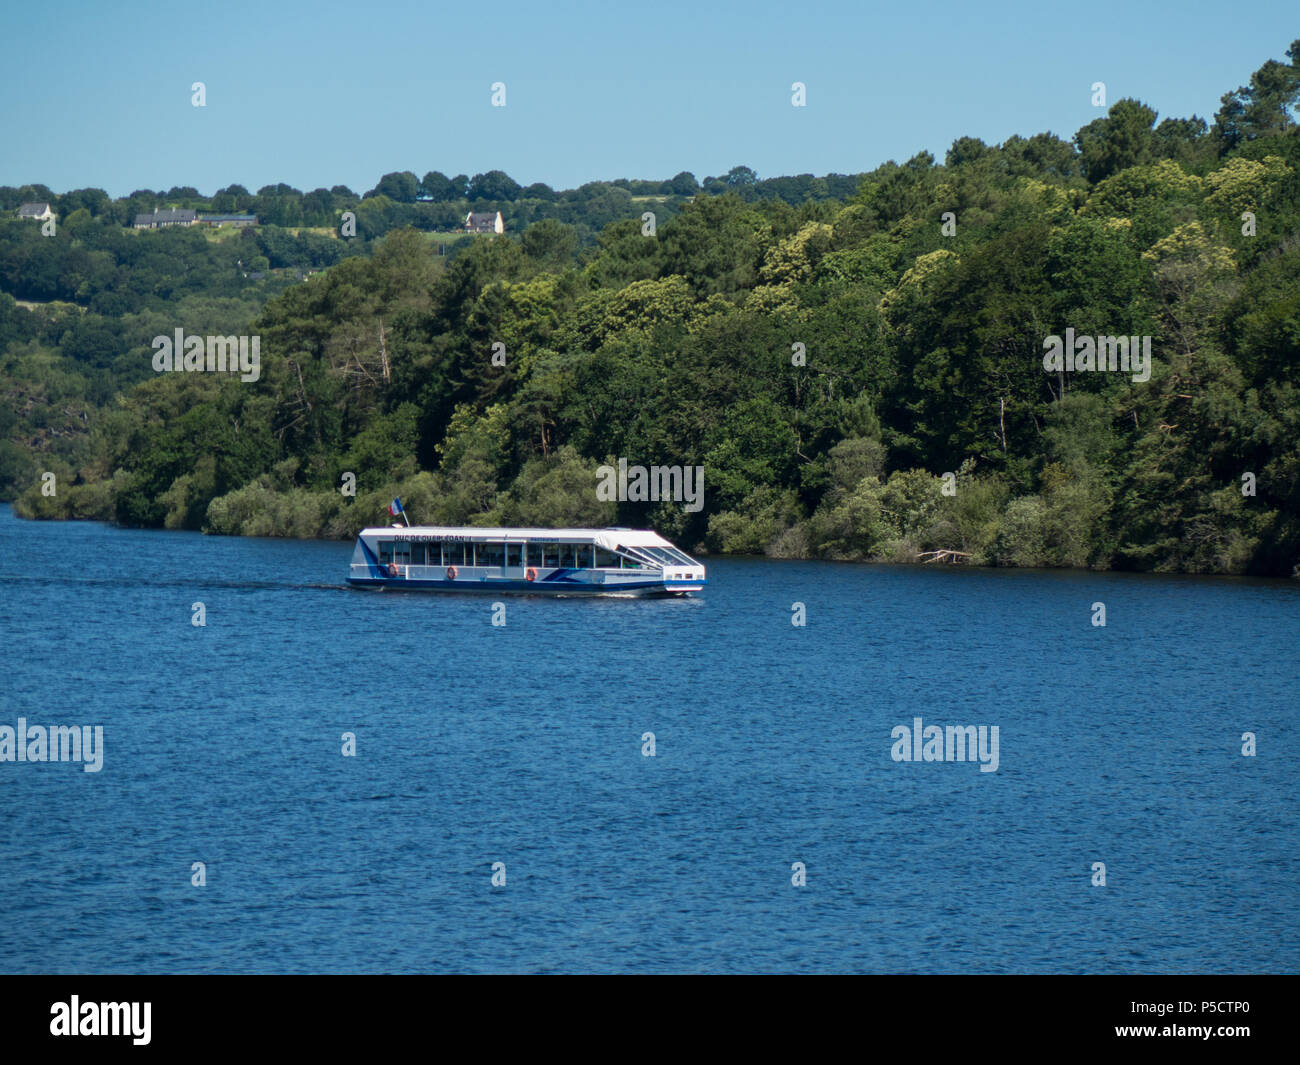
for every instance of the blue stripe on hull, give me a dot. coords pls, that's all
(562, 587)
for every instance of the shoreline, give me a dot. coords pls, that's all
(971, 567)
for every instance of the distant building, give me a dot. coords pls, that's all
(239, 221)
(484, 222)
(39, 211)
(162, 219)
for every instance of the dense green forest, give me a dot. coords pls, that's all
(857, 363)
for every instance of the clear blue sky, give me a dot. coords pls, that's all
(98, 94)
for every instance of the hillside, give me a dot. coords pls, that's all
(827, 356)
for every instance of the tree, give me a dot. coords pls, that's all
(437, 186)
(494, 185)
(684, 184)
(1262, 108)
(550, 242)
(740, 177)
(400, 187)
(1181, 139)
(966, 150)
(1122, 139)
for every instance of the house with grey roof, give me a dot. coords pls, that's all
(484, 222)
(39, 211)
(161, 219)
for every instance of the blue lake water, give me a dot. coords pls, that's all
(522, 744)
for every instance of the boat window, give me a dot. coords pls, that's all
(417, 554)
(606, 558)
(385, 552)
(453, 553)
(640, 557)
(490, 554)
(512, 555)
(550, 554)
(402, 553)
(628, 560)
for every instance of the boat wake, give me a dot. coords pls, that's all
(152, 582)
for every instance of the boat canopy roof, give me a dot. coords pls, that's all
(610, 539)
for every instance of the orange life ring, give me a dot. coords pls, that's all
(531, 575)
(392, 569)
(451, 573)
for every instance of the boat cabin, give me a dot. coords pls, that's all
(574, 561)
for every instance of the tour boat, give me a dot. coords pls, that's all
(612, 561)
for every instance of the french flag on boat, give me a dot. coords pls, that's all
(395, 507)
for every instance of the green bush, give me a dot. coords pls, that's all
(850, 525)
(758, 526)
(556, 493)
(1022, 539)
